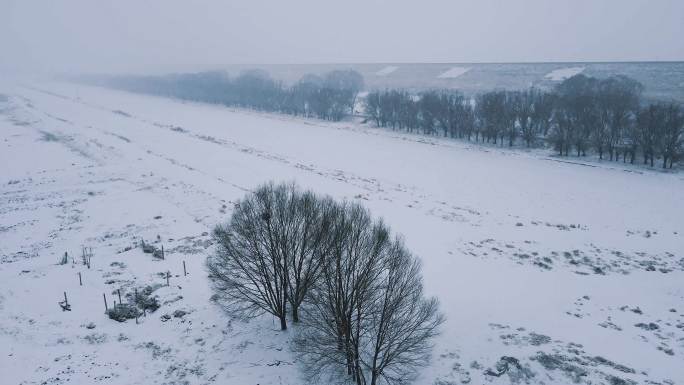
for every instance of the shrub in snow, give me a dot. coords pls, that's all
(148, 248)
(123, 312)
(145, 300)
(179, 313)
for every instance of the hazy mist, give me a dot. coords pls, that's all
(171, 35)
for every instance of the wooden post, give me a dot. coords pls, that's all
(168, 275)
(105, 301)
(163, 252)
(66, 303)
(80, 281)
(118, 291)
(185, 272)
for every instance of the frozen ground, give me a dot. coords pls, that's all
(548, 271)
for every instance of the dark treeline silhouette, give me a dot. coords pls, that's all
(330, 97)
(581, 114)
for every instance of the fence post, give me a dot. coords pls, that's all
(105, 301)
(168, 275)
(118, 291)
(80, 281)
(185, 272)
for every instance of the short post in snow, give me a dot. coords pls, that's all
(185, 272)
(105, 301)
(168, 275)
(163, 252)
(65, 305)
(80, 281)
(118, 291)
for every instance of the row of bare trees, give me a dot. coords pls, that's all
(353, 288)
(608, 117)
(581, 114)
(331, 96)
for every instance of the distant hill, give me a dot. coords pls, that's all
(662, 80)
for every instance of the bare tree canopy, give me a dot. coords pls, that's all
(359, 292)
(270, 252)
(367, 316)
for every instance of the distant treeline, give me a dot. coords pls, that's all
(330, 97)
(581, 114)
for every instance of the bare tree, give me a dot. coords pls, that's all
(337, 306)
(402, 322)
(270, 252)
(618, 103)
(367, 316)
(349, 82)
(649, 122)
(524, 103)
(671, 134)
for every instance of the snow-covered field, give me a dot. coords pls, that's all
(387, 70)
(564, 73)
(567, 272)
(453, 72)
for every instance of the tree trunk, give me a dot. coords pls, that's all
(374, 378)
(283, 323)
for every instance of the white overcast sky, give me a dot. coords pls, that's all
(173, 35)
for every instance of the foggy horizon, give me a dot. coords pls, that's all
(159, 37)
